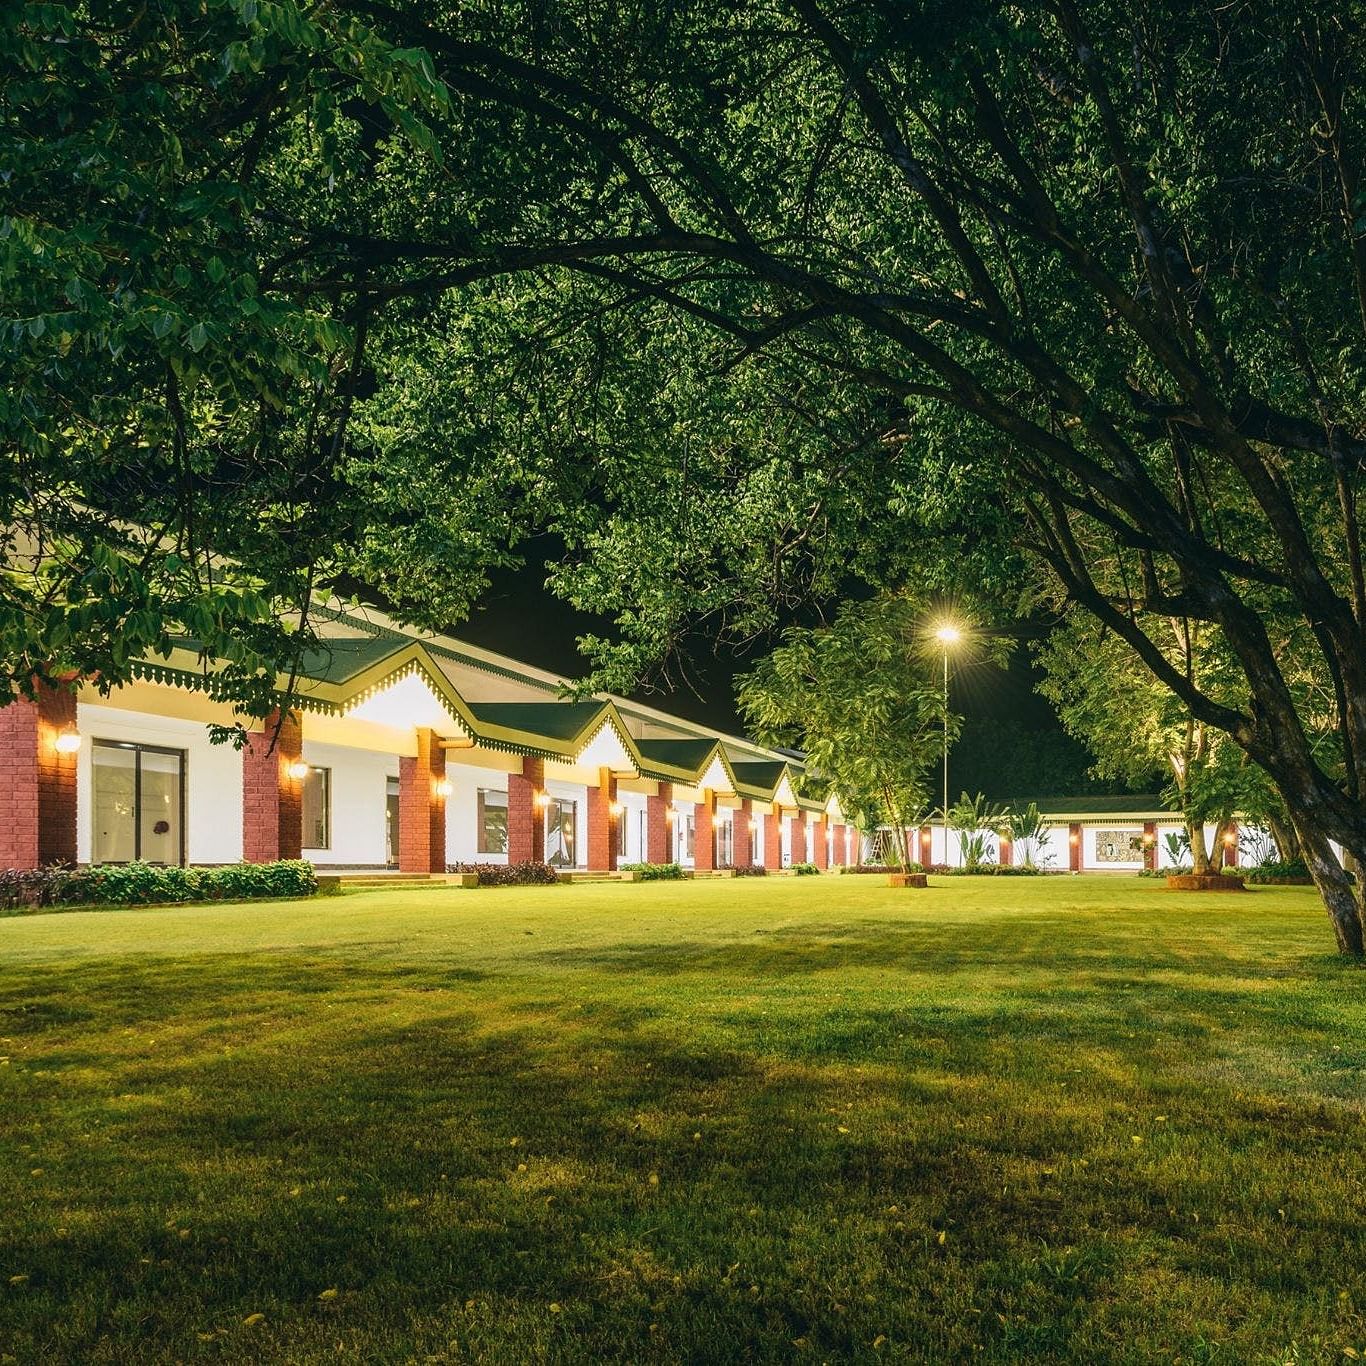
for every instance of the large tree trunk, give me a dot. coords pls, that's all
(1339, 896)
(1195, 832)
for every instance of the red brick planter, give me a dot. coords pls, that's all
(1204, 882)
(907, 880)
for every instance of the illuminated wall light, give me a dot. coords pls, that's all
(299, 770)
(616, 809)
(442, 787)
(68, 741)
(542, 799)
(1073, 839)
(1230, 840)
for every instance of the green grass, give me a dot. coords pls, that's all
(1071, 1119)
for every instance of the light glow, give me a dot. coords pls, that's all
(67, 741)
(948, 634)
(299, 770)
(442, 787)
(615, 808)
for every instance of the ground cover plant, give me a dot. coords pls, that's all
(1071, 1119)
(141, 884)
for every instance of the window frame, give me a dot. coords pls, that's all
(139, 749)
(481, 808)
(326, 774)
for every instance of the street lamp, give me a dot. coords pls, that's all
(948, 636)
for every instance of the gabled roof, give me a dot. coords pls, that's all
(363, 659)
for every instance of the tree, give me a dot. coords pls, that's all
(1028, 832)
(930, 291)
(861, 698)
(1133, 726)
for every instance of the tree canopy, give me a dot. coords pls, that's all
(1066, 301)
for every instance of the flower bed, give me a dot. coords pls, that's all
(529, 874)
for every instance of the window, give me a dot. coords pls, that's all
(391, 812)
(317, 809)
(561, 822)
(685, 827)
(725, 843)
(492, 819)
(138, 803)
(622, 817)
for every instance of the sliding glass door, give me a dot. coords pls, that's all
(138, 803)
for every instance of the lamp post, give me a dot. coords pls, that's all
(947, 636)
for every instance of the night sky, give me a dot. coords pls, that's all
(1012, 743)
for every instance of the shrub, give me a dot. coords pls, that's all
(149, 884)
(247, 881)
(754, 870)
(805, 869)
(885, 868)
(529, 874)
(654, 872)
(1275, 869)
(988, 870)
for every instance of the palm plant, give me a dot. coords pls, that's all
(974, 818)
(1027, 831)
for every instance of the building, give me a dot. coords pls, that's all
(405, 750)
(1092, 835)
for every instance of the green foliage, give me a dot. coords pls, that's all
(1277, 870)
(141, 884)
(975, 819)
(1028, 832)
(805, 869)
(654, 872)
(861, 698)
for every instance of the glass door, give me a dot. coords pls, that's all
(138, 803)
(561, 821)
(391, 822)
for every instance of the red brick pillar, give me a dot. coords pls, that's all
(704, 833)
(837, 844)
(602, 824)
(37, 781)
(1005, 851)
(1230, 849)
(819, 852)
(773, 839)
(1150, 845)
(926, 846)
(272, 798)
(657, 824)
(743, 834)
(1074, 848)
(798, 838)
(422, 807)
(526, 820)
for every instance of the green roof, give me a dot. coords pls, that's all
(341, 658)
(561, 721)
(763, 775)
(1129, 805)
(689, 754)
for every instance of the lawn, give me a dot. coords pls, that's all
(1072, 1119)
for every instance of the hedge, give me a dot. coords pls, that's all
(529, 874)
(653, 872)
(147, 884)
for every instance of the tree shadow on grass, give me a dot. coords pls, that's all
(739, 1176)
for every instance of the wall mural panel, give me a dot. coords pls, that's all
(1119, 846)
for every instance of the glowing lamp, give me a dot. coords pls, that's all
(1230, 840)
(542, 799)
(753, 824)
(299, 770)
(1073, 838)
(948, 635)
(1149, 839)
(615, 808)
(442, 787)
(68, 741)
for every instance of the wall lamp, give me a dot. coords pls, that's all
(68, 741)
(615, 809)
(442, 787)
(542, 799)
(299, 770)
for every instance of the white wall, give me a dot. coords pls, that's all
(213, 779)
(359, 786)
(462, 811)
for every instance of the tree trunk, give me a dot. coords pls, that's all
(1195, 832)
(1287, 841)
(1339, 896)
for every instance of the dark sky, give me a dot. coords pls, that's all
(1012, 742)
